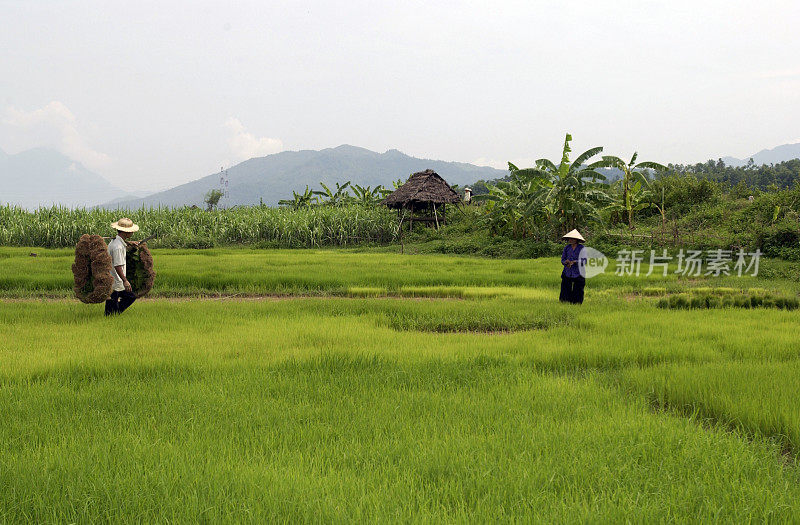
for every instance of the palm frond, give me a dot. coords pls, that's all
(487, 197)
(651, 166)
(615, 162)
(546, 164)
(640, 177)
(566, 151)
(583, 157)
(600, 164)
(591, 173)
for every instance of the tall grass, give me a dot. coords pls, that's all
(197, 228)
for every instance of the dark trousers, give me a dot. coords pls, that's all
(572, 289)
(119, 302)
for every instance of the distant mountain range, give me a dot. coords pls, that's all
(767, 156)
(43, 177)
(274, 177)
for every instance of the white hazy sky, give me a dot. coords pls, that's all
(152, 94)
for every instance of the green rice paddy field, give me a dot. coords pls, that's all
(340, 386)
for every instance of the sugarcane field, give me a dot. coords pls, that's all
(409, 263)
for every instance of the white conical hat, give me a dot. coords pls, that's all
(574, 234)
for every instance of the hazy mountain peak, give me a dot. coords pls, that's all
(351, 150)
(394, 153)
(43, 177)
(768, 156)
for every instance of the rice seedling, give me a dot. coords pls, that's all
(139, 270)
(221, 271)
(366, 291)
(415, 388)
(489, 316)
(319, 409)
(752, 397)
(753, 298)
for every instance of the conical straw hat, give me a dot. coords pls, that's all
(574, 234)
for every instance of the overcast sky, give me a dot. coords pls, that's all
(152, 94)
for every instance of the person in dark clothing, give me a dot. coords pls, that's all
(572, 279)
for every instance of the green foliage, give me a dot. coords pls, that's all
(340, 197)
(134, 271)
(783, 175)
(212, 199)
(684, 193)
(634, 193)
(368, 196)
(547, 198)
(781, 239)
(300, 201)
(465, 234)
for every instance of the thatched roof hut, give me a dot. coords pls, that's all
(422, 190)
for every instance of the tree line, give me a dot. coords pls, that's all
(766, 177)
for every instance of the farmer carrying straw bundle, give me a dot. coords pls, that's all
(572, 281)
(122, 295)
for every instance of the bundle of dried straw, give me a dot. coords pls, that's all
(92, 270)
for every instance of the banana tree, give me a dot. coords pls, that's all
(632, 174)
(340, 197)
(299, 200)
(509, 207)
(563, 196)
(639, 197)
(368, 196)
(571, 192)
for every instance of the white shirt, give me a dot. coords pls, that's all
(117, 250)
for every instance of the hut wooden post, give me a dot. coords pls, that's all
(400, 228)
(435, 216)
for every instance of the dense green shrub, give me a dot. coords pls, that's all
(682, 193)
(774, 239)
